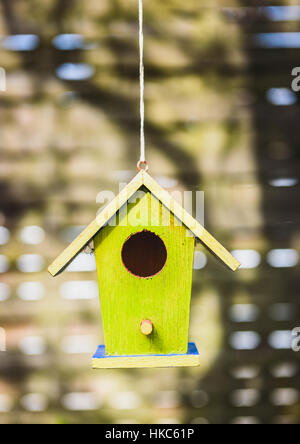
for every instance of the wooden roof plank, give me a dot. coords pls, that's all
(196, 228)
(84, 238)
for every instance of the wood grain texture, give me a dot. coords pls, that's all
(126, 300)
(146, 327)
(190, 359)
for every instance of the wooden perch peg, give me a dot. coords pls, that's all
(146, 327)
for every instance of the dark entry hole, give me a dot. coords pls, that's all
(144, 254)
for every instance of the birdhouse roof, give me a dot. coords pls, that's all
(142, 179)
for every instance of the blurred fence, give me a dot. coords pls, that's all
(222, 117)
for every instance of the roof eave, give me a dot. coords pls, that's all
(142, 178)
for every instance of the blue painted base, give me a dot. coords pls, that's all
(189, 359)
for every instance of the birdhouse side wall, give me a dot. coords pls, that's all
(127, 300)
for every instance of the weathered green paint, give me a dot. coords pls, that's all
(164, 299)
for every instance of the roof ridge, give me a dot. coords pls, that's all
(142, 178)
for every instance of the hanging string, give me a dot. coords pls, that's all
(142, 162)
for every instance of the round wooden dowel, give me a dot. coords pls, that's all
(146, 327)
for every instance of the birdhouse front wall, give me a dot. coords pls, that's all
(144, 269)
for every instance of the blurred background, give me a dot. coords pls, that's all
(222, 117)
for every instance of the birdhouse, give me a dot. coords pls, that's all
(144, 247)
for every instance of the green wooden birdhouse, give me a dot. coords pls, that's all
(144, 248)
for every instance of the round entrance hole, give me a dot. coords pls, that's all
(144, 254)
